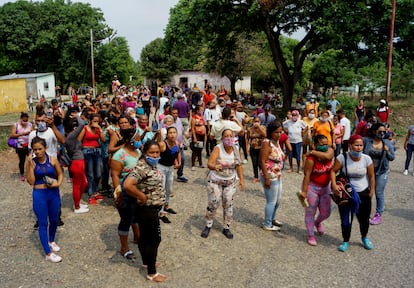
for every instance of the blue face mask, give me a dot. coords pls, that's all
(42, 126)
(152, 161)
(137, 144)
(355, 154)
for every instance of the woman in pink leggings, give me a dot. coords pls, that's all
(315, 186)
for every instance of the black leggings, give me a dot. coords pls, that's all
(254, 154)
(22, 153)
(150, 235)
(363, 216)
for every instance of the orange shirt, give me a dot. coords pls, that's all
(324, 128)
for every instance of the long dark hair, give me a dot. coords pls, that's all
(147, 146)
(272, 127)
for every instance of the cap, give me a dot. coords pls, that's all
(268, 107)
(295, 113)
(383, 101)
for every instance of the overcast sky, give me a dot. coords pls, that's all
(139, 21)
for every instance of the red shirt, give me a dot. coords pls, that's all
(321, 171)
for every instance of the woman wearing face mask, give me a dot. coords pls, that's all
(199, 136)
(338, 134)
(122, 162)
(73, 127)
(225, 171)
(381, 152)
(271, 163)
(360, 171)
(144, 183)
(307, 137)
(170, 160)
(21, 131)
(295, 129)
(324, 127)
(255, 135)
(315, 186)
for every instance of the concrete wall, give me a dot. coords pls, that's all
(13, 96)
(45, 86)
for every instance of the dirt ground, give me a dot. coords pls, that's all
(254, 258)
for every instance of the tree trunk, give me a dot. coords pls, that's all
(233, 88)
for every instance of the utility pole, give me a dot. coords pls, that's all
(389, 62)
(93, 65)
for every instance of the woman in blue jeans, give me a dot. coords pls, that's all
(271, 163)
(170, 160)
(91, 149)
(45, 174)
(381, 152)
(409, 148)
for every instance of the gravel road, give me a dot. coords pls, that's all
(254, 258)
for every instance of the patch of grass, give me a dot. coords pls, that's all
(4, 136)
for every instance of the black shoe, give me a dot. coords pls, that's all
(205, 232)
(182, 179)
(228, 233)
(165, 219)
(60, 222)
(170, 210)
(36, 225)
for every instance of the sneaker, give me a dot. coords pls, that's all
(320, 228)
(83, 205)
(367, 243)
(60, 222)
(202, 166)
(205, 232)
(81, 209)
(92, 201)
(52, 257)
(182, 179)
(377, 219)
(405, 172)
(343, 247)
(277, 223)
(244, 161)
(271, 228)
(228, 233)
(312, 240)
(54, 246)
(36, 225)
(22, 178)
(170, 210)
(193, 168)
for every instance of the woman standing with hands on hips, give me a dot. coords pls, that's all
(360, 171)
(271, 164)
(225, 171)
(315, 186)
(145, 184)
(45, 174)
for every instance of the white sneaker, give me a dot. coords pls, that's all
(83, 205)
(271, 228)
(244, 161)
(82, 209)
(54, 246)
(53, 258)
(405, 172)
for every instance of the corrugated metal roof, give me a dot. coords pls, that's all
(23, 76)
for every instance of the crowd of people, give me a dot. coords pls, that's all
(129, 145)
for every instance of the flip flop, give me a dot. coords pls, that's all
(129, 255)
(155, 277)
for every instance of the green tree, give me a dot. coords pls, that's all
(49, 36)
(325, 24)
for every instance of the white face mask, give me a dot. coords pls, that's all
(311, 116)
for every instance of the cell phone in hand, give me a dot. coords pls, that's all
(49, 114)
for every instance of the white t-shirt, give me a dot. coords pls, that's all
(357, 171)
(347, 125)
(50, 138)
(295, 130)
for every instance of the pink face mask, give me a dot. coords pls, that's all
(294, 118)
(228, 141)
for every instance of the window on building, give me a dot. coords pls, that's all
(46, 86)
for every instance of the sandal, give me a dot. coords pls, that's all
(157, 277)
(129, 255)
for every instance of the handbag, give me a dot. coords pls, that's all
(13, 142)
(344, 186)
(199, 144)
